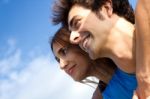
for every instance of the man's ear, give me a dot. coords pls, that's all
(108, 8)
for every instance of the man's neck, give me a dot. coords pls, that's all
(121, 43)
(121, 38)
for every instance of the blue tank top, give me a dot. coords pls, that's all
(121, 86)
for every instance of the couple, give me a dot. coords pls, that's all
(104, 29)
(115, 83)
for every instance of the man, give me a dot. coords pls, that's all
(142, 14)
(101, 29)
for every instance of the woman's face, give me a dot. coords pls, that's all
(73, 61)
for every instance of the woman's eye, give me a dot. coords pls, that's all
(64, 50)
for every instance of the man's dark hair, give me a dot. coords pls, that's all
(61, 9)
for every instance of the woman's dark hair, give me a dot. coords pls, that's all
(61, 37)
(102, 86)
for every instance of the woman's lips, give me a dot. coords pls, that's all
(71, 70)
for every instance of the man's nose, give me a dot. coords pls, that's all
(75, 37)
(63, 64)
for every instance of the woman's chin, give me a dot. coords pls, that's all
(77, 79)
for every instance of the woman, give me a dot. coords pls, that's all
(78, 65)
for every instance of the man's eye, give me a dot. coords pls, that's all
(76, 24)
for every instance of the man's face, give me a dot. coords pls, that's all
(88, 30)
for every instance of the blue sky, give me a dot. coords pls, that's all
(27, 67)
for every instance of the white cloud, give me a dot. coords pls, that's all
(39, 79)
(48, 82)
(10, 63)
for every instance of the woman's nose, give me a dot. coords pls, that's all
(63, 64)
(75, 37)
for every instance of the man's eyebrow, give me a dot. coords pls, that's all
(72, 21)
